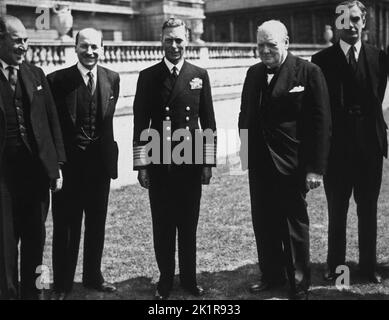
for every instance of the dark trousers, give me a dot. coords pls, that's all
(358, 171)
(175, 203)
(86, 188)
(24, 189)
(281, 225)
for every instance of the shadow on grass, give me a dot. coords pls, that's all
(234, 284)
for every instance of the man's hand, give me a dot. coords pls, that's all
(56, 185)
(313, 180)
(143, 178)
(206, 175)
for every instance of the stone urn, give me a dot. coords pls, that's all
(63, 21)
(197, 31)
(328, 35)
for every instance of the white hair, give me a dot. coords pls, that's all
(274, 26)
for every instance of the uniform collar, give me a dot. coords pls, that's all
(171, 65)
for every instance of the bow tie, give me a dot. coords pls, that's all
(271, 70)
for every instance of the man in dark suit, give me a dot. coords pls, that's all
(31, 150)
(86, 96)
(285, 115)
(356, 77)
(171, 98)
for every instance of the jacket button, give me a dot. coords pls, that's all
(188, 108)
(168, 128)
(167, 118)
(187, 118)
(168, 138)
(187, 128)
(167, 109)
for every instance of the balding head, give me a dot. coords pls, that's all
(90, 33)
(273, 43)
(8, 22)
(89, 43)
(13, 40)
(277, 28)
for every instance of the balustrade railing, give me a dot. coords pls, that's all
(56, 53)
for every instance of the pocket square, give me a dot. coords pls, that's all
(39, 88)
(297, 89)
(196, 83)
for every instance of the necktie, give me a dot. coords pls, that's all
(271, 70)
(351, 59)
(175, 73)
(12, 77)
(91, 83)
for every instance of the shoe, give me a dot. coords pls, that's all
(159, 296)
(372, 277)
(329, 275)
(266, 285)
(102, 287)
(196, 291)
(59, 296)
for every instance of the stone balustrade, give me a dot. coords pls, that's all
(57, 53)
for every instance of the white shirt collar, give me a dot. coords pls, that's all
(346, 47)
(84, 72)
(5, 65)
(171, 65)
(270, 76)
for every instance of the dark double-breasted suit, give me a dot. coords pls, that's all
(28, 161)
(92, 162)
(358, 145)
(175, 189)
(287, 123)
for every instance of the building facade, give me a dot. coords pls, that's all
(306, 20)
(119, 20)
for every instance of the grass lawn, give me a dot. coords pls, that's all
(227, 260)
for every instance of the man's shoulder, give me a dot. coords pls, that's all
(32, 68)
(152, 69)
(194, 68)
(60, 74)
(255, 67)
(305, 64)
(110, 73)
(324, 54)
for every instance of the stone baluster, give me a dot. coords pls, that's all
(62, 58)
(49, 55)
(35, 57)
(56, 59)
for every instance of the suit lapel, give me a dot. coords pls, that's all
(29, 82)
(104, 87)
(286, 76)
(371, 61)
(260, 83)
(165, 76)
(182, 81)
(75, 80)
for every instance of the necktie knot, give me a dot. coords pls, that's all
(12, 77)
(271, 70)
(175, 72)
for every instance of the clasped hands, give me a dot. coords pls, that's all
(313, 180)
